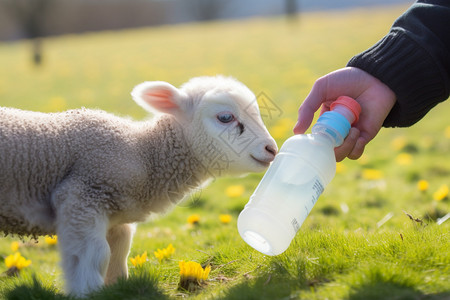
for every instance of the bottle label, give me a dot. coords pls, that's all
(295, 224)
(316, 189)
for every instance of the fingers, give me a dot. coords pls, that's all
(358, 150)
(305, 117)
(346, 148)
(311, 104)
(359, 85)
(324, 91)
(353, 146)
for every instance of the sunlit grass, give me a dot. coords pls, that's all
(372, 235)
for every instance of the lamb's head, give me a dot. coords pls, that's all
(220, 119)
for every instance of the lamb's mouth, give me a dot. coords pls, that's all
(263, 163)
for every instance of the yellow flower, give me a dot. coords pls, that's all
(192, 269)
(404, 159)
(17, 260)
(225, 218)
(192, 275)
(139, 260)
(447, 132)
(364, 159)
(427, 142)
(372, 174)
(234, 191)
(422, 185)
(57, 104)
(340, 167)
(15, 246)
(441, 193)
(51, 240)
(398, 143)
(165, 253)
(278, 132)
(282, 128)
(193, 219)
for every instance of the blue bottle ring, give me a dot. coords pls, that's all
(336, 121)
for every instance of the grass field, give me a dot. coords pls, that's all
(357, 243)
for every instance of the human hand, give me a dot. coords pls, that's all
(376, 100)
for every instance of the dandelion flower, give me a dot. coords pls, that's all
(164, 253)
(51, 240)
(447, 132)
(17, 260)
(288, 123)
(57, 104)
(192, 275)
(340, 168)
(441, 193)
(234, 191)
(372, 174)
(364, 159)
(403, 159)
(427, 142)
(15, 246)
(139, 260)
(278, 132)
(422, 185)
(282, 128)
(193, 219)
(398, 143)
(225, 218)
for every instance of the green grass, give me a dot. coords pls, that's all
(342, 251)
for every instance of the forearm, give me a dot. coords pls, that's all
(413, 60)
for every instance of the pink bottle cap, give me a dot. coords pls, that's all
(349, 103)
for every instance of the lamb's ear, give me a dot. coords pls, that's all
(158, 96)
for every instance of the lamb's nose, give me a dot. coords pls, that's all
(272, 150)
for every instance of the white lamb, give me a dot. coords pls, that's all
(87, 175)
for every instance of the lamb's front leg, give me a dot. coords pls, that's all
(119, 238)
(84, 250)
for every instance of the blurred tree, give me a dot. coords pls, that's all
(30, 14)
(291, 9)
(206, 10)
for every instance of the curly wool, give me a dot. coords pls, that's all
(116, 160)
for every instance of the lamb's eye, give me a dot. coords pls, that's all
(225, 117)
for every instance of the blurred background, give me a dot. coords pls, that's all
(37, 18)
(61, 54)
(64, 54)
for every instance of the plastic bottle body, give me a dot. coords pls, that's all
(295, 180)
(287, 192)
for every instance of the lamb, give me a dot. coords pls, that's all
(88, 176)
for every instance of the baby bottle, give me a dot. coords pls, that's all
(305, 164)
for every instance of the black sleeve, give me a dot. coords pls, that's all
(413, 59)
